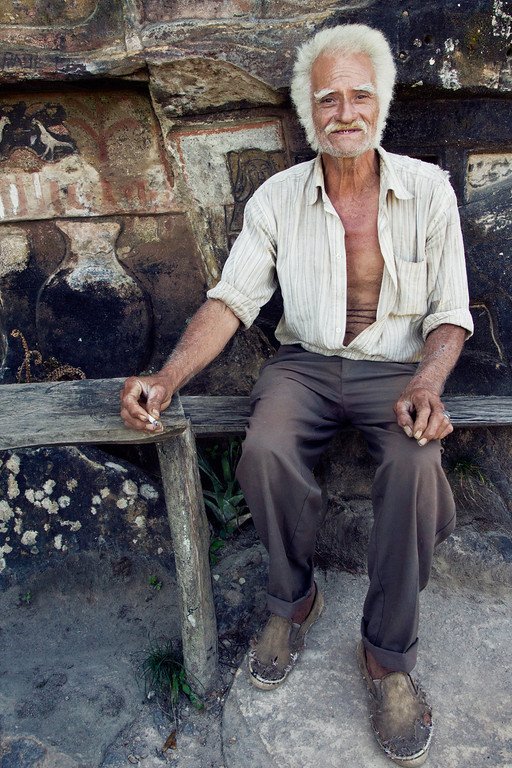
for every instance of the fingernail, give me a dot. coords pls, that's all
(417, 434)
(155, 413)
(422, 442)
(408, 431)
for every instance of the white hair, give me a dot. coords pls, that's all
(345, 39)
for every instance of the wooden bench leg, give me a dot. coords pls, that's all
(191, 542)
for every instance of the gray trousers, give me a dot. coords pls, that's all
(299, 402)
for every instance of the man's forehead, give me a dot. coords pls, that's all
(331, 67)
(363, 87)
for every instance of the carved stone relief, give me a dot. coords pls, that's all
(234, 158)
(248, 169)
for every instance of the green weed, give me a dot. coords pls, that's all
(155, 583)
(26, 598)
(465, 468)
(164, 673)
(216, 544)
(469, 482)
(221, 491)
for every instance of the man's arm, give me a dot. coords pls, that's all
(419, 410)
(206, 335)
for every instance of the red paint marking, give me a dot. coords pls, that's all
(23, 209)
(72, 199)
(55, 195)
(108, 195)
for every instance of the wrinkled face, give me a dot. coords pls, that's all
(345, 104)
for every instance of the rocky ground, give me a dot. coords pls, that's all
(73, 643)
(74, 640)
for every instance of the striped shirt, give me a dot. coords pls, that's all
(292, 236)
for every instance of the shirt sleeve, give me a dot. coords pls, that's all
(449, 296)
(249, 278)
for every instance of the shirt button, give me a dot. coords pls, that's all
(338, 330)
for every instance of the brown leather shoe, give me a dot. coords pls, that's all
(400, 716)
(275, 652)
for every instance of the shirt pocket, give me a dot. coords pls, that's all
(412, 295)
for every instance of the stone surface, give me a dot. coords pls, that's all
(57, 502)
(73, 640)
(319, 716)
(91, 312)
(74, 635)
(452, 46)
(164, 117)
(93, 153)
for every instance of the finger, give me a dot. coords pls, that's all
(423, 413)
(139, 421)
(439, 426)
(130, 398)
(157, 400)
(133, 412)
(448, 429)
(404, 419)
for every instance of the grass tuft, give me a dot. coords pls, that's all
(163, 672)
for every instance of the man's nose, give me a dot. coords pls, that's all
(346, 111)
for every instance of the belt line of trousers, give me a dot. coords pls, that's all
(299, 402)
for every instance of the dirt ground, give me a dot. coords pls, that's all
(73, 641)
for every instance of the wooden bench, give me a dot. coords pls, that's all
(80, 412)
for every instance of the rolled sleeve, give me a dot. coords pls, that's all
(449, 295)
(461, 317)
(248, 278)
(242, 306)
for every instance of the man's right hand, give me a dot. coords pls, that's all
(206, 335)
(144, 396)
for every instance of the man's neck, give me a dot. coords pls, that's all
(350, 175)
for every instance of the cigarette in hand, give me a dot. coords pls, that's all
(153, 421)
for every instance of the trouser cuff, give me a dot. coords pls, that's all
(283, 607)
(398, 662)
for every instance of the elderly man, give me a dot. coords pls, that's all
(367, 250)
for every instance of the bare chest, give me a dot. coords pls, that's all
(365, 263)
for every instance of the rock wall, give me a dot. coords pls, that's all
(162, 118)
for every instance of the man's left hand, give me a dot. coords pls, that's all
(421, 414)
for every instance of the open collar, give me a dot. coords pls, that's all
(389, 180)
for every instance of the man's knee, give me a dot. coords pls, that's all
(407, 457)
(263, 446)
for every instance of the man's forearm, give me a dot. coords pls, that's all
(419, 409)
(441, 351)
(205, 337)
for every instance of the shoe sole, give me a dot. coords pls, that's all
(314, 615)
(407, 762)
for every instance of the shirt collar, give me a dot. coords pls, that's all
(389, 180)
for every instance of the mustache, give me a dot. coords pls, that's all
(336, 126)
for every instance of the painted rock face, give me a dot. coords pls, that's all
(91, 313)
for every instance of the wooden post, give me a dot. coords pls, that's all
(191, 542)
